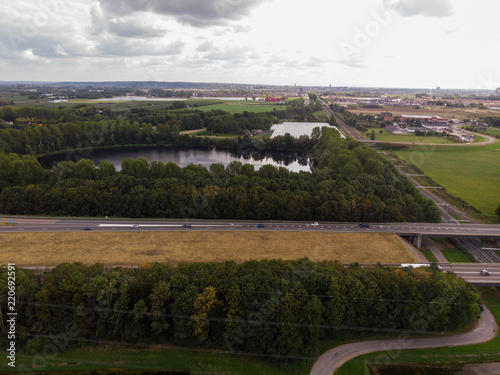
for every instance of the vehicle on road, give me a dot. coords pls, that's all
(485, 273)
(87, 228)
(134, 226)
(364, 225)
(315, 224)
(186, 225)
(260, 225)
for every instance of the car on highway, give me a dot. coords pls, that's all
(485, 273)
(134, 226)
(364, 225)
(315, 224)
(186, 225)
(87, 228)
(260, 225)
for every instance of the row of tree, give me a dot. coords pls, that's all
(33, 140)
(275, 308)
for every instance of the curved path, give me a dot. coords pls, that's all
(330, 361)
(489, 140)
(351, 133)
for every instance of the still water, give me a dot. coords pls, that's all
(294, 162)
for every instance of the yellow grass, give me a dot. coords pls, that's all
(51, 248)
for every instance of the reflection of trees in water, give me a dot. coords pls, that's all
(285, 158)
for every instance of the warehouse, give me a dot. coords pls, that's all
(296, 129)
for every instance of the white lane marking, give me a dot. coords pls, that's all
(167, 225)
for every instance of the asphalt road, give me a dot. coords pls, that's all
(472, 272)
(330, 361)
(63, 225)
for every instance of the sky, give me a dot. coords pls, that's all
(367, 43)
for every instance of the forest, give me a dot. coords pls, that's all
(275, 308)
(350, 183)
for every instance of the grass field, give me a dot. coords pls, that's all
(450, 113)
(456, 256)
(492, 132)
(428, 255)
(470, 173)
(241, 106)
(142, 357)
(451, 252)
(51, 248)
(386, 136)
(118, 105)
(486, 352)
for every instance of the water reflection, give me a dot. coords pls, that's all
(293, 161)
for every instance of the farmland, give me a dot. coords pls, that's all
(241, 106)
(386, 136)
(450, 113)
(40, 249)
(470, 173)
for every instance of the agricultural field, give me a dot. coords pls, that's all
(492, 132)
(386, 136)
(241, 106)
(470, 173)
(450, 113)
(116, 105)
(126, 248)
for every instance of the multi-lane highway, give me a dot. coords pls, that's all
(472, 272)
(426, 229)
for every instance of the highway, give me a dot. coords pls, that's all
(471, 272)
(101, 224)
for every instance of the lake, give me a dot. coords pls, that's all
(294, 162)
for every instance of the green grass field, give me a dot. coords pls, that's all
(428, 255)
(486, 352)
(386, 136)
(117, 105)
(241, 106)
(492, 132)
(470, 173)
(457, 256)
(137, 356)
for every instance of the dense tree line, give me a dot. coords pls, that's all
(68, 131)
(351, 183)
(280, 309)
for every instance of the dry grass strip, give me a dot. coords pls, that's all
(51, 248)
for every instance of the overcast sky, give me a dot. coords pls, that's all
(388, 43)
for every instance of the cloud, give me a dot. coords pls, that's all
(235, 54)
(198, 13)
(134, 29)
(426, 8)
(130, 47)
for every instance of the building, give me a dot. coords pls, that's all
(387, 116)
(296, 129)
(395, 129)
(498, 91)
